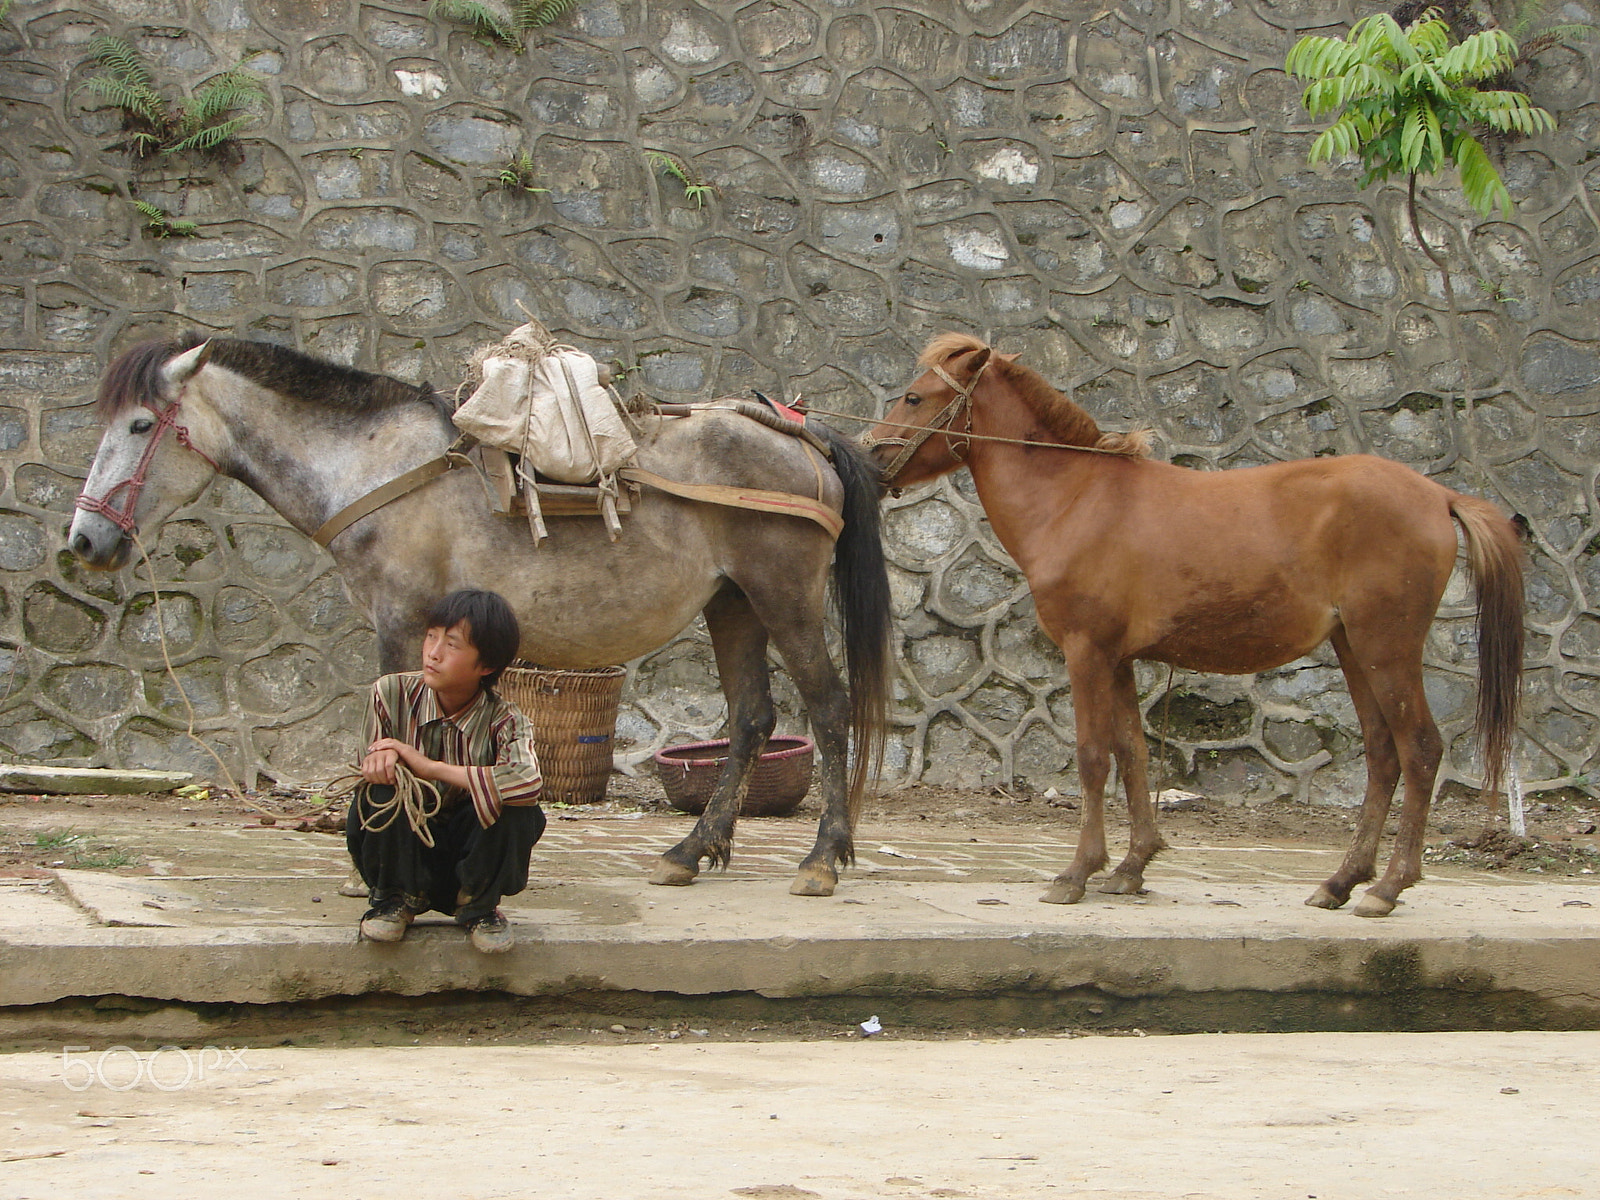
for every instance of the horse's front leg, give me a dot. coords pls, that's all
(740, 643)
(1133, 758)
(1092, 698)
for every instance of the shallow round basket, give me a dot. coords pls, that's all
(574, 719)
(777, 786)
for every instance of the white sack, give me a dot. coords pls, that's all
(552, 411)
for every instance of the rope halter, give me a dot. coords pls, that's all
(120, 513)
(944, 422)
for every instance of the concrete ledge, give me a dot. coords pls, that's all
(1540, 944)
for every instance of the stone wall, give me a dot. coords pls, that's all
(1122, 194)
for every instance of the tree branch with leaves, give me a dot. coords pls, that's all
(1406, 102)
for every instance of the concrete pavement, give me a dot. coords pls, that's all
(244, 913)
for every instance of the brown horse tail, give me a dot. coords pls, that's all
(861, 592)
(1494, 556)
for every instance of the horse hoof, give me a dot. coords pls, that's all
(1063, 893)
(813, 883)
(1121, 885)
(1373, 905)
(1323, 898)
(671, 874)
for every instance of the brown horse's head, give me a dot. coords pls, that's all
(921, 437)
(970, 395)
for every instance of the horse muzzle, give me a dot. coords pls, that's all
(886, 452)
(98, 543)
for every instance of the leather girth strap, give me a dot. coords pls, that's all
(732, 497)
(378, 497)
(708, 493)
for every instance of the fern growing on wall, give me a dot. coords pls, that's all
(202, 123)
(679, 169)
(162, 224)
(509, 24)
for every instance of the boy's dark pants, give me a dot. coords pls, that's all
(466, 862)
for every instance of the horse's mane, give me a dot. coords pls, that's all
(1060, 415)
(135, 377)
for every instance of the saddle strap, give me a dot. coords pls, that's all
(378, 497)
(732, 497)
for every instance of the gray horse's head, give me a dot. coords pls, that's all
(158, 452)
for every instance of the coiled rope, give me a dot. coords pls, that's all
(419, 799)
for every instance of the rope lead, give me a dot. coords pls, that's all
(419, 799)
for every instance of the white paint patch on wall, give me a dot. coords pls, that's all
(687, 43)
(430, 85)
(977, 249)
(1009, 165)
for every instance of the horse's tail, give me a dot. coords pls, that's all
(861, 591)
(1494, 556)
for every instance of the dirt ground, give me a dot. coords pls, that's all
(1563, 829)
(1485, 1116)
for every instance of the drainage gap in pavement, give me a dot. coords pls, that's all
(471, 1017)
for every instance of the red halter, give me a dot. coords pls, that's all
(122, 516)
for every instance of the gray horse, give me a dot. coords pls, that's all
(310, 437)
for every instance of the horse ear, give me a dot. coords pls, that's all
(979, 360)
(177, 370)
(1012, 357)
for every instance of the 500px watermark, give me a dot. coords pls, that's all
(166, 1068)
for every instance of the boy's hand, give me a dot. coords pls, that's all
(378, 765)
(385, 752)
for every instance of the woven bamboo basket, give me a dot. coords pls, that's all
(574, 719)
(777, 786)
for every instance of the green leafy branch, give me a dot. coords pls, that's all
(519, 174)
(507, 24)
(201, 123)
(680, 170)
(1406, 102)
(162, 224)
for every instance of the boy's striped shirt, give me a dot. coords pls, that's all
(490, 737)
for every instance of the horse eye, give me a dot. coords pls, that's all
(142, 425)
(912, 398)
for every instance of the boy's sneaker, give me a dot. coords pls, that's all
(491, 934)
(387, 922)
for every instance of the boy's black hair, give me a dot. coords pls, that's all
(491, 625)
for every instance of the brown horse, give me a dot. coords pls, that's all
(1226, 571)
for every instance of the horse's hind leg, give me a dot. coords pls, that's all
(795, 623)
(1127, 742)
(740, 643)
(1383, 770)
(1419, 748)
(805, 654)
